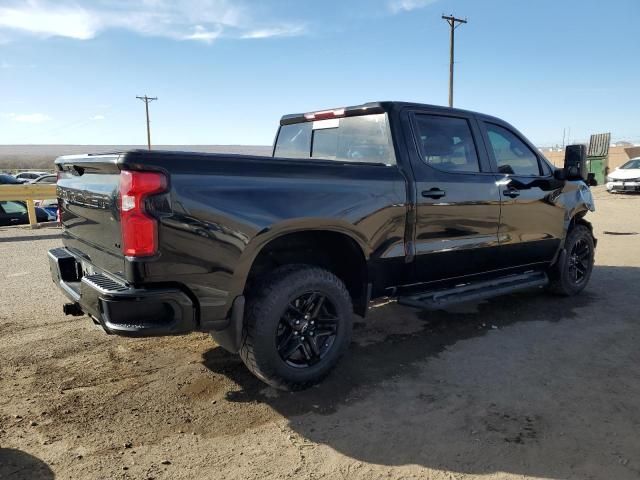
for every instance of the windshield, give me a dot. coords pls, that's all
(364, 138)
(635, 163)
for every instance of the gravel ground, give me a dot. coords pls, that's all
(523, 386)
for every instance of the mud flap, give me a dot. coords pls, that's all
(230, 337)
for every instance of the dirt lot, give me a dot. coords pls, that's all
(524, 386)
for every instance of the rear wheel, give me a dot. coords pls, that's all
(572, 272)
(297, 326)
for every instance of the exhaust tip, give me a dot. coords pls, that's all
(72, 309)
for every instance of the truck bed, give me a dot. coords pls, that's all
(219, 209)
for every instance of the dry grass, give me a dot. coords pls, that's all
(41, 157)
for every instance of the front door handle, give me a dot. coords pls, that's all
(433, 193)
(512, 192)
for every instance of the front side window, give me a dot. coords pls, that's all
(364, 138)
(446, 143)
(512, 155)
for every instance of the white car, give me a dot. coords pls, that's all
(45, 179)
(625, 178)
(28, 176)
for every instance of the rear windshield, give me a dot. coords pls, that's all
(363, 138)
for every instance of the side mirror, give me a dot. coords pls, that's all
(575, 162)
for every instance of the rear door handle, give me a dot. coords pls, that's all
(512, 192)
(433, 193)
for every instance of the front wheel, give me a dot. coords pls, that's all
(298, 324)
(572, 272)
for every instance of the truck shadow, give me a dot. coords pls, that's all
(532, 400)
(369, 362)
(18, 465)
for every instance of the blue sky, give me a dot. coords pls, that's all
(226, 70)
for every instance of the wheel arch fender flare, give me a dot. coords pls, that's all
(268, 235)
(576, 219)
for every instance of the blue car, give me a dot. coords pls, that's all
(15, 213)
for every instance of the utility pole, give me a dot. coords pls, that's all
(146, 101)
(453, 23)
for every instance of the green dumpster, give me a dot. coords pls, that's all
(598, 156)
(598, 166)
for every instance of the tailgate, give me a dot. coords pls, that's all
(88, 195)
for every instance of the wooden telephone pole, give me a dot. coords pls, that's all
(146, 101)
(453, 23)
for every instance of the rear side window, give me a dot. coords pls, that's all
(363, 138)
(512, 155)
(13, 207)
(446, 143)
(28, 176)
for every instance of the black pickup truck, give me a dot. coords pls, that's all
(273, 255)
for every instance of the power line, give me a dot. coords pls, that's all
(79, 123)
(146, 101)
(453, 23)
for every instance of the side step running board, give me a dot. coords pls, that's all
(471, 292)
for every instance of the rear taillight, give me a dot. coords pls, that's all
(139, 229)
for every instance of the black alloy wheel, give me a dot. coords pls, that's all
(579, 261)
(307, 330)
(571, 273)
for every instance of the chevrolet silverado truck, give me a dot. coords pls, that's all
(426, 205)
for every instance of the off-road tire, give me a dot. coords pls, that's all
(267, 302)
(562, 281)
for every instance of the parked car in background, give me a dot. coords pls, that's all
(15, 213)
(625, 178)
(46, 178)
(28, 176)
(50, 204)
(9, 180)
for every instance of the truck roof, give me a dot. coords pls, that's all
(370, 108)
